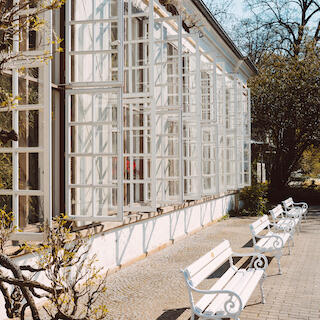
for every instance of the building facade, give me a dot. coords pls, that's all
(147, 107)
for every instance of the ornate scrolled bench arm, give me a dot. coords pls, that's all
(233, 301)
(259, 261)
(303, 204)
(287, 228)
(277, 244)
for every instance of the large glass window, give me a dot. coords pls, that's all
(93, 41)
(168, 111)
(167, 127)
(25, 180)
(93, 154)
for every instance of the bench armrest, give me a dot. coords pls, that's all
(286, 228)
(303, 204)
(277, 244)
(232, 307)
(293, 214)
(259, 261)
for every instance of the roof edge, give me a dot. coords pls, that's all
(201, 6)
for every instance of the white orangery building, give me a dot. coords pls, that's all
(145, 114)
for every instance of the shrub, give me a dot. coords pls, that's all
(254, 199)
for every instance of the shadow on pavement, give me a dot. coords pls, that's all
(248, 244)
(172, 314)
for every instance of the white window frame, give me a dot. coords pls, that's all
(119, 186)
(45, 134)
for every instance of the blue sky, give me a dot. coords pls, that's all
(237, 8)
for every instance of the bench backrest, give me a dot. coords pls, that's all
(208, 263)
(259, 225)
(277, 212)
(288, 203)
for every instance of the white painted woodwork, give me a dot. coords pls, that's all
(283, 221)
(295, 209)
(231, 292)
(269, 241)
(155, 115)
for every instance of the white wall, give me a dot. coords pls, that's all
(126, 244)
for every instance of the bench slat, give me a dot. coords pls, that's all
(243, 283)
(196, 266)
(267, 243)
(277, 211)
(212, 266)
(257, 226)
(288, 202)
(219, 285)
(245, 295)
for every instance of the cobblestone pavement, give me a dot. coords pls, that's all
(154, 289)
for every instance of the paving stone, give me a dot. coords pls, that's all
(154, 289)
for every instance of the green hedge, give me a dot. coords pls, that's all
(254, 198)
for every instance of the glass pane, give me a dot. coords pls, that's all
(81, 9)
(105, 108)
(81, 108)
(28, 128)
(6, 170)
(173, 188)
(103, 64)
(172, 168)
(6, 124)
(103, 143)
(31, 213)
(81, 139)
(105, 201)
(30, 86)
(81, 68)
(81, 201)
(81, 37)
(29, 171)
(106, 9)
(104, 170)
(6, 203)
(105, 35)
(81, 170)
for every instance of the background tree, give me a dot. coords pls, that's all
(310, 162)
(282, 38)
(221, 10)
(278, 26)
(286, 100)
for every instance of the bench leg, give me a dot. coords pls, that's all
(291, 238)
(292, 242)
(278, 257)
(289, 246)
(299, 227)
(261, 290)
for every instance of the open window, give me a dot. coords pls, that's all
(209, 129)
(167, 97)
(93, 40)
(191, 121)
(26, 163)
(93, 150)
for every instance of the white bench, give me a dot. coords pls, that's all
(272, 242)
(295, 209)
(229, 295)
(283, 222)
